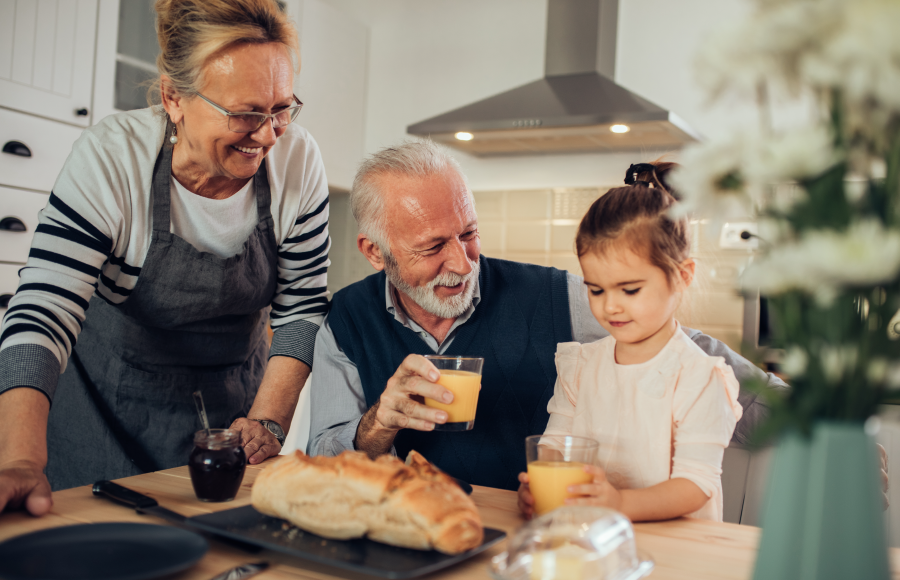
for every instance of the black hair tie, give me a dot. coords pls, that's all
(637, 168)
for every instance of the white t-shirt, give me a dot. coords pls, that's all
(217, 226)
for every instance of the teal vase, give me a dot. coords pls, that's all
(822, 516)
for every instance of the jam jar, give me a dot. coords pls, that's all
(217, 464)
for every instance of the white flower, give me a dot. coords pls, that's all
(836, 361)
(796, 154)
(795, 361)
(877, 371)
(822, 262)
(861, 55)
(728, 178)
(766, 46)
(710, 180)
(892, 377)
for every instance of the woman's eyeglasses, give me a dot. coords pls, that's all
(249, 122)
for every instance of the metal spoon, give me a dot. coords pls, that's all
(201, 410)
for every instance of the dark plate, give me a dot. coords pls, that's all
(362, 555)
(119, 551)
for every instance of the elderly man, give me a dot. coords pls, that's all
(435, 294)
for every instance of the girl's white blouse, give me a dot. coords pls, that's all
(671, 416)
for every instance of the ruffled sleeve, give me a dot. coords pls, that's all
(705, 412)
(565, 393)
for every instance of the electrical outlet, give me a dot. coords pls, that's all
(739, 236)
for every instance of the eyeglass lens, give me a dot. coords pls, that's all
(248, 123)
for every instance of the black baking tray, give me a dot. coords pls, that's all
(362, 555)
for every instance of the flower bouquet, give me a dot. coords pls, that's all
(825, 188)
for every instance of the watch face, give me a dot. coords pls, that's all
(274, 428)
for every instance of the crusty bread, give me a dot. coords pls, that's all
(350, 496)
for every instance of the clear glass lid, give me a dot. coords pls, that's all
(573, 543)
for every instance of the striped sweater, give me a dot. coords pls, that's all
(95, 231)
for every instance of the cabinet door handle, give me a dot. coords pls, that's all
(17, 148)
(11, 224)
(82, 112)
(4, 300)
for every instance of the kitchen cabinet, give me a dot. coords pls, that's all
(47, 58)
(46, 82)
(9, 280)
(33, 150)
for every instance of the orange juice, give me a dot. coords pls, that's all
(549, 480)
(465, 386)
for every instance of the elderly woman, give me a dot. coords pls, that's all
(170, 233)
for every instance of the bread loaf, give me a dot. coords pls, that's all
(350, 496)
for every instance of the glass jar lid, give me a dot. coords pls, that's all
(573, 543)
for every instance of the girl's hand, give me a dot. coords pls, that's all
(600, 493)
(526, 500)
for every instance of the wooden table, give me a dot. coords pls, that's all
(683, 549)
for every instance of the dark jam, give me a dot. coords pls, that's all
(217, 465)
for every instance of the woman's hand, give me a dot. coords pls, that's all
(23, 484)
(526, 500)
(600, 492)
(259, 443)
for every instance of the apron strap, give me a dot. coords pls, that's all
(160, 194)
(262, 191)
(134, 451)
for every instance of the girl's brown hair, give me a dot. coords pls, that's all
(638, 217)
(191, 31)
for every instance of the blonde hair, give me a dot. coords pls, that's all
(637, 217)
(190, 32)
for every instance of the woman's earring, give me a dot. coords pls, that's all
(174, 138)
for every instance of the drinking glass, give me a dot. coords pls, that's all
(554, 463)
(461, 376)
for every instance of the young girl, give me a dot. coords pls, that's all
(662, 409)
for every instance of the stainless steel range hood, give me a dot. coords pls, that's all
(574, 107)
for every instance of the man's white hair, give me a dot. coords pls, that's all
(413, 158)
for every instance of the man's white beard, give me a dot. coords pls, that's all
(427, 299)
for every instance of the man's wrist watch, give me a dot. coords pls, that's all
(274, 428)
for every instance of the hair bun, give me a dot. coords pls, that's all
(636, 169)
(653, 174)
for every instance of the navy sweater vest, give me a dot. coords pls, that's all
(522, 315)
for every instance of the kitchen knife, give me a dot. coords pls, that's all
(141, 503)
(241, 572)
(147, 505)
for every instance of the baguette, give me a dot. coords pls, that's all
(350, 496)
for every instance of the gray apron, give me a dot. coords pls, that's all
(194, 321)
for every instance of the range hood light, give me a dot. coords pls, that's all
(620, 128)
(464, 136)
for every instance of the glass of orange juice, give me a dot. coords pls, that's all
(461, 376)
(554, 463)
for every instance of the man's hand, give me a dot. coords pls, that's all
(259, 443)
(401, 406)
(23, 484)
